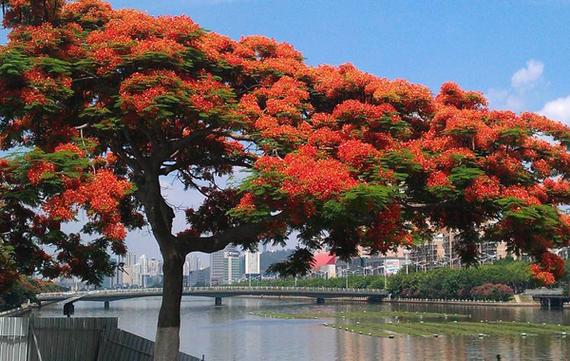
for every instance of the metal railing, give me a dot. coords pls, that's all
(544, 292)
(225, 289)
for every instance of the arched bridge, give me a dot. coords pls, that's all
(318, 293)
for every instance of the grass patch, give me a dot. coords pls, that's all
(398, 323)
(361, 316)
(459, 328)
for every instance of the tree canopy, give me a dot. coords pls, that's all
(106, 102)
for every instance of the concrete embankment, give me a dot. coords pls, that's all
(518, 301)
(465, 302)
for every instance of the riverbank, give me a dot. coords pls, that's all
(392, 324)
(18, 311)
(519, 301)
(513, 303)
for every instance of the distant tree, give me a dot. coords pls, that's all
(341, 157)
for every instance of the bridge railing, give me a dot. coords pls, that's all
(138, 291)
(544, 292)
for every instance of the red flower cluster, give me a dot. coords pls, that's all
(482, 188)
(356, 153)
(545, 278)
(386, 233)
(320, 178)
(438, 179)
(70, 147)
(452, 95)
(353, 110)
(100, 195)
(39, 171)
(520, 193)
(246, 203)
(325, 137)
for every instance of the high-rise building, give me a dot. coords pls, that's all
(225, 266)
(217, 270)
(186, 269)
(136, 275)
(252, 263)
(143, 261)
(126, 276)
(191, 264)
(232, 265)
(194, 261)
(119, 273)
(130, 259)
(154, 267)
(441, 251)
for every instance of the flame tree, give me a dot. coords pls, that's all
(102, 104)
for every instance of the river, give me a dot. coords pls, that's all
(232, 332)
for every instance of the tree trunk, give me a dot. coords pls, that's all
(167, 341)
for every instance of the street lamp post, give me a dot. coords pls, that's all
(346, 272)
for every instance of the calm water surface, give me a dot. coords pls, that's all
(230, 332)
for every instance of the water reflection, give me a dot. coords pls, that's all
(231, 332)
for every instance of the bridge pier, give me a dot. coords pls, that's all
(218, 301)
(68, 309)
(320, 301)
(551, 302)
(106, 305)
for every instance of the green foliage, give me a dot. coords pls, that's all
(358, 202)
(401, 162)
(463, 175)
(54, 66)
(513, 134)
(449, 283)
(444, 283)
(543, 214)
(25, 289)
(13, 63)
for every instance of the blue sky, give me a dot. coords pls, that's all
(516, 52)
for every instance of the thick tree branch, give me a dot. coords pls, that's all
(246, 162)
(243, 233)
(159, 214)
(220, 241)
(167, 150)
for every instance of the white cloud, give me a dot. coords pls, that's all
(506, 99)
(557, 109)
(526, 84)
(527, 76)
